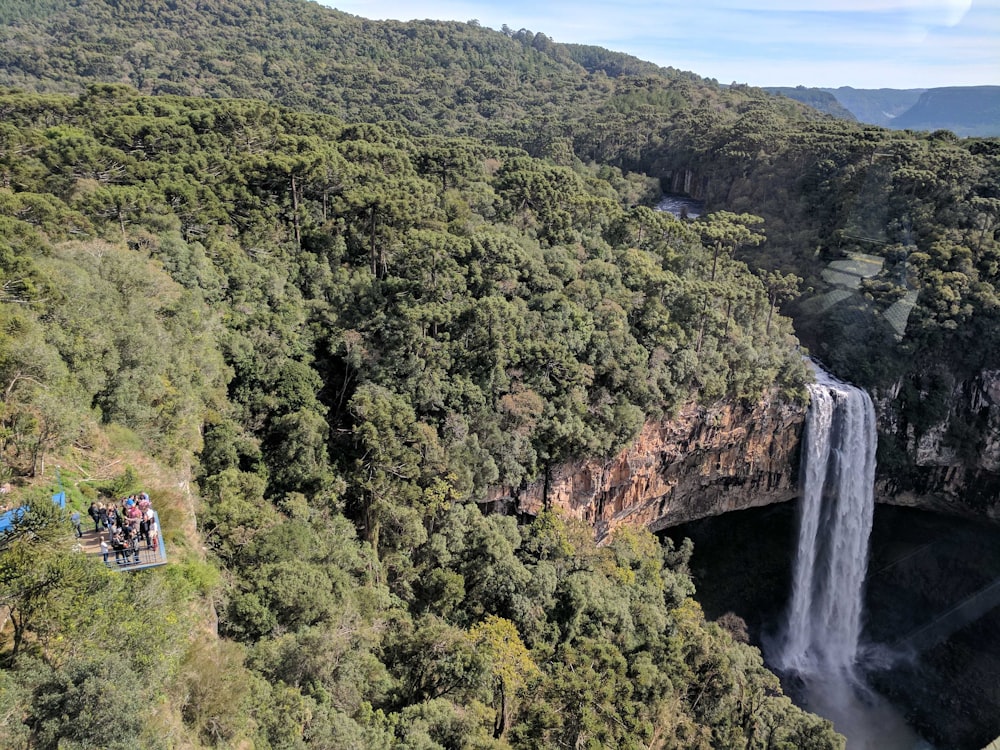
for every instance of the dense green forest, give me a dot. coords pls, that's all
(359, 332)
(319, 283)
(826, 188)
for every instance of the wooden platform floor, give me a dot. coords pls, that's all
(90, 543)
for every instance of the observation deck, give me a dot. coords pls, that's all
(90, 543)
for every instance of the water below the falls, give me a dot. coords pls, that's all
(681, 206)
(865, 718)
(943, 694)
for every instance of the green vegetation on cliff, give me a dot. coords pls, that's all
(360, 331)
(826, 188)
(411, 263)
(515, 88)
(819, 99)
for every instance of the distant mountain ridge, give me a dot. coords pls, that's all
(876, 106)
(821, 99)
(964, 110)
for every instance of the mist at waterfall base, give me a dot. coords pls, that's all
(820, 646)
(921, 565)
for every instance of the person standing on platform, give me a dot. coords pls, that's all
(118, 543)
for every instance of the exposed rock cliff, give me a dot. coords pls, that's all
(685, 182)
(955, 460)
(703, 462)
(712, 460)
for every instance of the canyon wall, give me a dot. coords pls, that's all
(711, 460)
(685, 182)
(703, 462)
(954, 462)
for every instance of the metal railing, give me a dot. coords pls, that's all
(140, 556)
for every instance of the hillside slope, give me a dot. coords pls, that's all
(819, 99)
(359, 332)
(518, 88)
(876, 106)
(964, 110)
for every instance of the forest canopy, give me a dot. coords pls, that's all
(359, 331)
(341, 278)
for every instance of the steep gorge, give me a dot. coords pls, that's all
(950, 463)
(703, 462)
(709, 460)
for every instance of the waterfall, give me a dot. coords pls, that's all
(838, 474)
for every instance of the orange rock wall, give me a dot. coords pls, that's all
(712, 460)
(703, 462)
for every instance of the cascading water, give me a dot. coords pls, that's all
(838, 466)
(822, 634)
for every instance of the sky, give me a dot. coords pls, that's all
(826, 43)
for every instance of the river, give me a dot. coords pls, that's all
(942, 692)
(681, 206)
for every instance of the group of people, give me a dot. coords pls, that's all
(127, 525)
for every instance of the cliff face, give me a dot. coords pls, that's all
(955, 461)
(712, 460)
(703, 462)
(686, 182)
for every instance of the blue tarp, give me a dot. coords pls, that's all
(7, 519)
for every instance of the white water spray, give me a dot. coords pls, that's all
(838, 467)
(825, 615)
